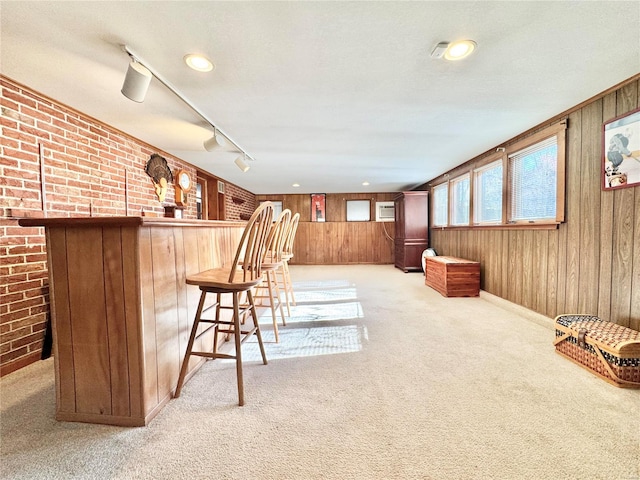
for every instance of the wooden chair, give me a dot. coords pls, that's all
(241, 276)
(287, 254)
(271, 263)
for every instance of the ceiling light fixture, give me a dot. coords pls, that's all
(199, 63)
(136, 82)
(130, 92)
(217, 142)
(459, 50)
(240, 163)
(365, 183)
(295, 185)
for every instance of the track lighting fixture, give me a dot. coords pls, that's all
(135, 88)
(241, 164)
(136, 82)
(216, 142)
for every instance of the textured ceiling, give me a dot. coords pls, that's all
(325, 94)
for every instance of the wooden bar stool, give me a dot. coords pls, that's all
(271, 263)
(287, 254)
(242, 275)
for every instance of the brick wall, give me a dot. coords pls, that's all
(86, 166)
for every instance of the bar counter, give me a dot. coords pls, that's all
(121, 310)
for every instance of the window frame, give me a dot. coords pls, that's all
(444, 185)
(452, 204)
(502, 155)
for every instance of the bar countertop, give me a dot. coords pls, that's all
(131, 221)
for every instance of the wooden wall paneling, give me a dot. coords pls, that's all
(301, 244)
(518, 273)
(528, 292)
(623, 229)
(365, 242)
(61, 319)
(562, 269)
(132, 306)
(551, 307)
(163, 253)
(148, 320)
(574, 212)
(606, 228)
(505, 264)
(116, 320)
(622, 256)
(345, 246)
(590, 208)
(183, 237)
(191, 294)
(540, 259)
(88, 323)
(634, 315)
(509, 283)
(335, 208)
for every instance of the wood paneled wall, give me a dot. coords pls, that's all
(591, 263)
(336, 241)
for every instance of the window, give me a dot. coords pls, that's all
(520, 184)
(533, 174)
(358, 210)
(440, 205)
(460, 200)
(277, 207)
(487, 199)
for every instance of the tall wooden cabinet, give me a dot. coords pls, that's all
(412, 227)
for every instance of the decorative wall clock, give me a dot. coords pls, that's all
(183, 185)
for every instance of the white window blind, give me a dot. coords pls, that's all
(460, 191)
(487, 192)
(440, 204)
(533, 178)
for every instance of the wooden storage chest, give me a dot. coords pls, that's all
(453, 277)
(609, 350)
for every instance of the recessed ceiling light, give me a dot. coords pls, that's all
(198, 62)
(365, 183)
(295, 185)
(460, 49)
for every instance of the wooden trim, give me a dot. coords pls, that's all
(124, 222)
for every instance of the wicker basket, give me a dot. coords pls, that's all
(607, 349)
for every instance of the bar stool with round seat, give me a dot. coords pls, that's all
(287, 255)
(240, 277)
(271, 263)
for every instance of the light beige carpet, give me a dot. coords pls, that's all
(376, 377)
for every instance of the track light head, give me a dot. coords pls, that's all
(241, 165)
(136, 82)
(216, 142)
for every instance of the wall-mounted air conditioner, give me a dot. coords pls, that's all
(385, 212)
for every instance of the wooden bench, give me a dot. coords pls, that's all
(609, 350)
(453, 277)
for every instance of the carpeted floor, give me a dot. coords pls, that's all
(376, 377)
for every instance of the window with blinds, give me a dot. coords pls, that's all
(520, 185)
(487, 198)
(460, 192)
(440, 205)
(533, 178)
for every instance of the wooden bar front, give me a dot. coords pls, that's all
(121, 310)
(453, 277)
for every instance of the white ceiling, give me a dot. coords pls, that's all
(325, 94)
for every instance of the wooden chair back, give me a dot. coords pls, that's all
(277, 237)
(291, 235)
(250, 253)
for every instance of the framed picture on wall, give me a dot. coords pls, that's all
(621, 151)
(318, 207)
